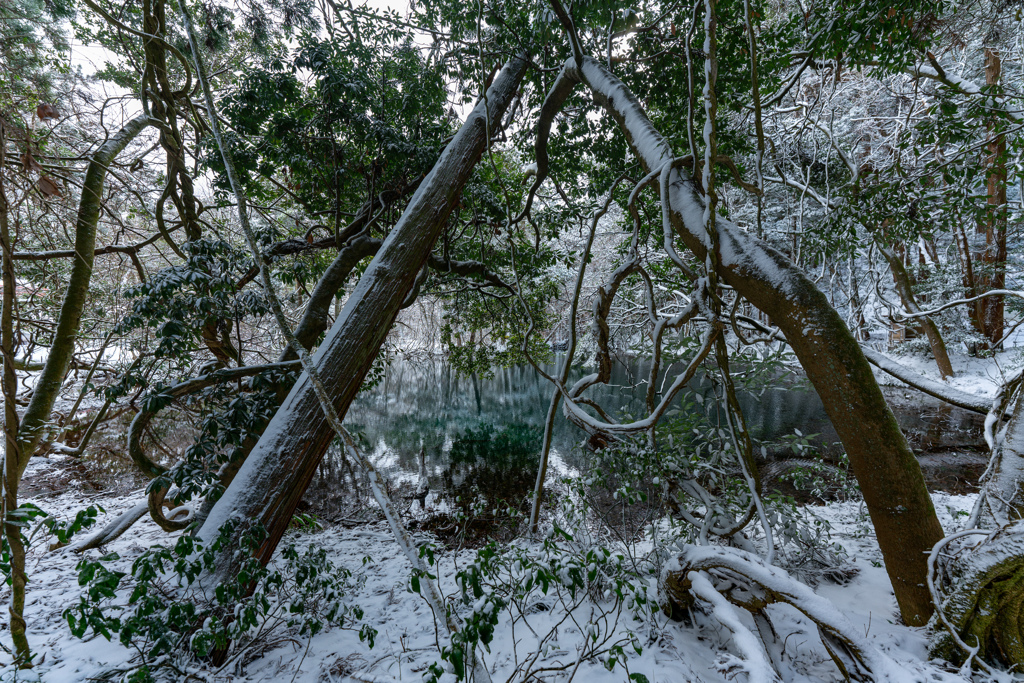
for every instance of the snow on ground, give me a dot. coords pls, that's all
(406, 643)
(972, 374)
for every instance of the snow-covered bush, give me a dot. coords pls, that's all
(593, 587)
(694, 476)
(164, 610)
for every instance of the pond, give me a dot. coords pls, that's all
(483, 435)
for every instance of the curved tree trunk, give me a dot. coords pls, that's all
(273, 478)
(38, 412)
(314, 320)
(889, 475)
(37, 415)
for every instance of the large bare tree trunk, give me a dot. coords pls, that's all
(1001, 500)
(273, 478)
(889, 475)
(993, 228)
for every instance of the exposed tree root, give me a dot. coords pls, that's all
(758, 667)
(745, 580)
(177, 517)
(981, 606)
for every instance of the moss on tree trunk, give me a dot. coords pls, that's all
(886, 469)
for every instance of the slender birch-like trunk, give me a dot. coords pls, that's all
(904, 287)
(12, 460)
(34, 423)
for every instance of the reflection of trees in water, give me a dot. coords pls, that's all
(489, 471)
(426, 404)
(429, 401)
(940, 427)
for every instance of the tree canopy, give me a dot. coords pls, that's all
(238, 221)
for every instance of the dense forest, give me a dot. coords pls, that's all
(482, 341)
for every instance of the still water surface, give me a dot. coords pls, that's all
(485, 432)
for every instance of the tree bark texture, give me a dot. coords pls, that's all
(984, 582)
(38, 412)
(985, 599)
(1001, 499)
(273, 478)
(992, 259)
(37, 415)
(314, 320)
(12, 459)
(905, 289)
(889, 475)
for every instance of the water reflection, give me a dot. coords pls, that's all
(485, 432)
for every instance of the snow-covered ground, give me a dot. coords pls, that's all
(977, 375)
(406, 643)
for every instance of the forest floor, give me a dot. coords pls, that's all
(406, 642)
(545, 637)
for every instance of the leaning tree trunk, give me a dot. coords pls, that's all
(889, 475)
(274, 477)
(57, 362)
(37, 415)
(905, 289)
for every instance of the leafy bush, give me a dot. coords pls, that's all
(694, 475)
(62, 530)
(167, 612)
(567, 571)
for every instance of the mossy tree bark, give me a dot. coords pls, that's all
(34, 422)
(981, 585)
(984, 600)
(889, 475)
